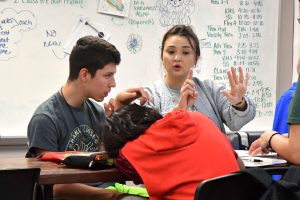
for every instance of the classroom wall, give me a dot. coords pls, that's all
(296, 41)
(285, 46)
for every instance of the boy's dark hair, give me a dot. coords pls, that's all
(127, 124)
(92, 53)
(184, 31)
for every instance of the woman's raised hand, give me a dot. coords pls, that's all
(188, 93)
(238, 86)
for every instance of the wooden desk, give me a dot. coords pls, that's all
(52, 173)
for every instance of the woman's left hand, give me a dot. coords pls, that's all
(238, 86)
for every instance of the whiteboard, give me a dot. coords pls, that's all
(34, 35)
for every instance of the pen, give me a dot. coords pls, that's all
(252, 159)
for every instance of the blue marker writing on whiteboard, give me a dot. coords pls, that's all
(117, 4)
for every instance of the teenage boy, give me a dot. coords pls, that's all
(69, 120)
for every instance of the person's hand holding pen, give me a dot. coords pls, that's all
(263, 144)
(188, 93)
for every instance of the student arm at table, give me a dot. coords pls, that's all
(287, 147)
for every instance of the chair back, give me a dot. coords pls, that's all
(18, 184)
(234, 186)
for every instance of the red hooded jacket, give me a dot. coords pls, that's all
(178, 152)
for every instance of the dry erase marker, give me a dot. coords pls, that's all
(100, 34)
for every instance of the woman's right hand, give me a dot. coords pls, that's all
(188, 93)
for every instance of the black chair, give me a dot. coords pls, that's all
(18, 184)
(234, 140)
(235, 186)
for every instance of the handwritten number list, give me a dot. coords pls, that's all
(243, 26)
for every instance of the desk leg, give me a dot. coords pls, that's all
(48, 192)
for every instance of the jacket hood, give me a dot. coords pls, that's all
(176, 130)
(183, 144)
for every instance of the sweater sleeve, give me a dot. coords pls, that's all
(232, 118)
